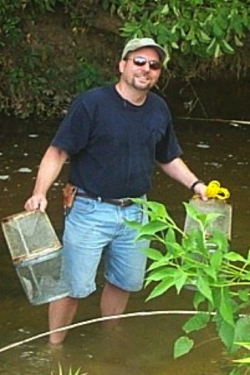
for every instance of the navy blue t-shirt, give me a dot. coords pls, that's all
(113, 144)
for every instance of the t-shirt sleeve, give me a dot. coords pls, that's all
(73, 132)
(168, 147)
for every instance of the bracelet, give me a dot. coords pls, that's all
(195, 183)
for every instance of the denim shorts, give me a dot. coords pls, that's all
(96, 230)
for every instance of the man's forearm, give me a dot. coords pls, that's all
(49, 169)
(179, 171)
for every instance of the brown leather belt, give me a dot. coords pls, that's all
(117, 202)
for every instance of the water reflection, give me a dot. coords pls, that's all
(141, 346)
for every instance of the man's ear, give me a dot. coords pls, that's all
(122, 64)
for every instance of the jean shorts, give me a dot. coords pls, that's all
(96, 230)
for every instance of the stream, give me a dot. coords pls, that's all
(142, 345)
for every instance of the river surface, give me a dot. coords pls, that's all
(139, 345)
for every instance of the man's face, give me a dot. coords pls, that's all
(141, 69)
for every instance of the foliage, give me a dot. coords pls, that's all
(220, 277)
(199, 27)
(242, 364)
(28, 89)
(32, 81)
(88, 74)
(190, 30)
(70, 372)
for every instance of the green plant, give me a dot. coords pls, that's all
(221, 277)
(70, 371)
(87, 76)
(242, 364)
(191, 27)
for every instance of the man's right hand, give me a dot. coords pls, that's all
(36, 202)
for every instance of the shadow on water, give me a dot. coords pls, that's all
(139, 346)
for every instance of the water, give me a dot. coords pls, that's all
(140, 345)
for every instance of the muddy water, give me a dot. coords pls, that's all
(141, 345)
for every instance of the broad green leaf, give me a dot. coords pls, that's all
(195, 241)
(238, 42)
(211, 48)
(160, 209)
(174, 248)
(235, 371)
(217, 52)
(226, 307)
(165, 9)
(161, 288)
(246, 276)
(176, 11)
(153, 254)
(196, 323)
(210, 218)
(226, 333)
(221, 241)
(204, 288)
(163, 262)
(169, 272)
(203, 37)
(146, 237)
(180, 282)
(236, 22)
(174, 45)
(133, 224)
(216, 260)
(198, 299)
(140, 201)
(191, 34)
(226, 47)
(242, 330)
(234, 257)
(182, 346)
(211, 271)
(244, 295)
(155, 209)
(217, 30)
(160, 274)
(170, 236)
(152, 227)
(191, 211)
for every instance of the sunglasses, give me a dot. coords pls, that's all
(141, 61)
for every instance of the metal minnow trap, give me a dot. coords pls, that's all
(217, 204)
(222, 223)
(36, 254)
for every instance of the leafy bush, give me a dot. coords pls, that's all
(194, 32)
(199, 27)
(220, 277)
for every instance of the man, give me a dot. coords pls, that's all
(113, 136)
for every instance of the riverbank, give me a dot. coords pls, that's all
(54, 62)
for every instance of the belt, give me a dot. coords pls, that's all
(117, 202)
